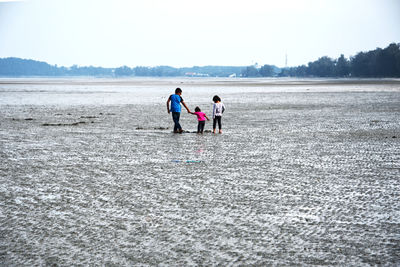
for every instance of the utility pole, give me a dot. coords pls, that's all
(286, 60)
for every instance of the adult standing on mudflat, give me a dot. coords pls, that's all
(176, 100)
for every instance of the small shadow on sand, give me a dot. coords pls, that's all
(64, 124)
(155, 128)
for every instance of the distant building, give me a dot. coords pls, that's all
(194, 74)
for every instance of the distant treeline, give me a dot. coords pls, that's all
(15, 67)
(376, 63)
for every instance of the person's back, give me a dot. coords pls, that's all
(175, 103)
(218, 109)
(201, 116)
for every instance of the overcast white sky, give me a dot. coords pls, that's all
(112, 33)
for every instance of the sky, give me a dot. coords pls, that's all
(186, 33)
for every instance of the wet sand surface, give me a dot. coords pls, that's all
(307, 172)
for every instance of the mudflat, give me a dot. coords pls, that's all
(306, 172)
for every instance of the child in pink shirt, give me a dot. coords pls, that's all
(201, 118)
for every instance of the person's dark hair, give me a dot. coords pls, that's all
(216, 98)
(197, 109)
(178, 90)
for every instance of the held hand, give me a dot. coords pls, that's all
(168, 111)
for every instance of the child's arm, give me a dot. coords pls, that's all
(213, 115)
(206, 117)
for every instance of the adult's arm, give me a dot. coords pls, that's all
(169, 100)
(183, 103)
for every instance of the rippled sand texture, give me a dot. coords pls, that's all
(305, 173)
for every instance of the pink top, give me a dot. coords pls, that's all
(201, 116)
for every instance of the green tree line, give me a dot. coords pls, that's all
(378, 63)
(16, 67)
(375, 63)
